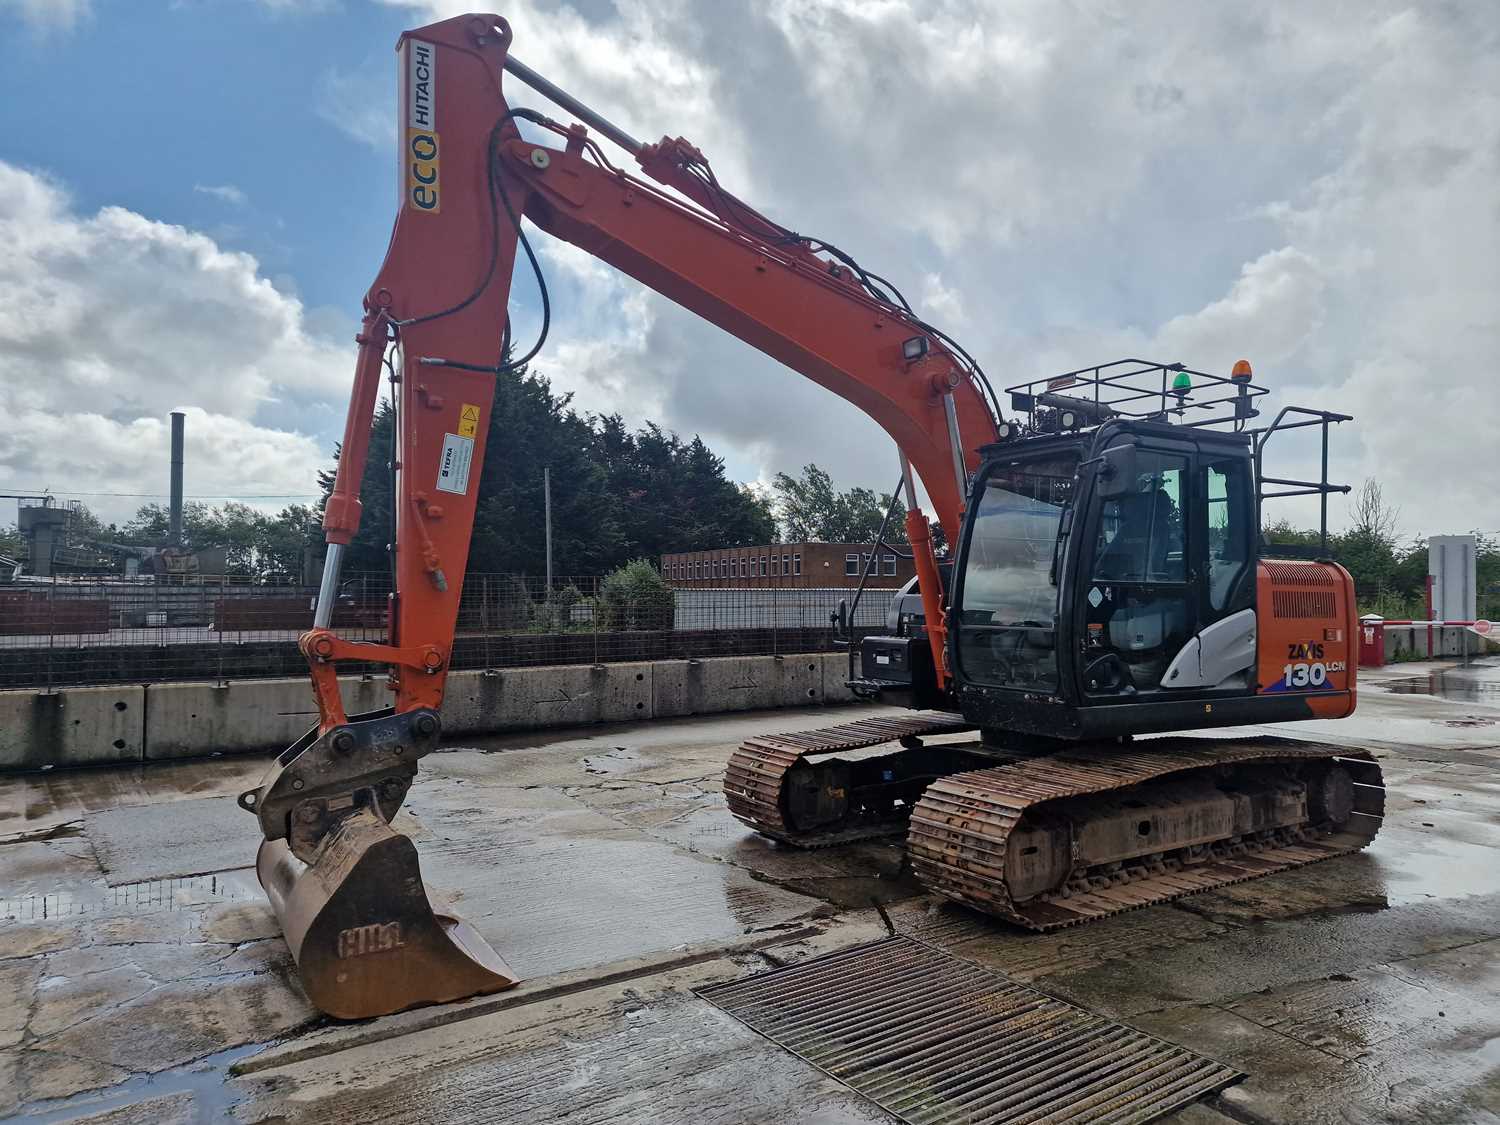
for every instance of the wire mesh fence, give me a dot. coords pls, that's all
(66, 631)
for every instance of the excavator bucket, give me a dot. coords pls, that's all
(368, 937)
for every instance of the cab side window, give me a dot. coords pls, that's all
(1141, 532)
(1228, 518)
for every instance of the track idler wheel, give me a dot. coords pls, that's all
(367, 937)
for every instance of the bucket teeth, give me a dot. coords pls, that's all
(367, 936)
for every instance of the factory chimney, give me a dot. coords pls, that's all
(174, 526)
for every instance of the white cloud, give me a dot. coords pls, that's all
(46, 16)
(362, 104)
(225, 193)
(1302, 185)
(116, 320)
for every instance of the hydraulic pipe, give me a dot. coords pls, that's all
(596, 121)
(960, 471)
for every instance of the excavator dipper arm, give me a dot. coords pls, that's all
(366, 933)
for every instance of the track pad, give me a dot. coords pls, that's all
(367, 938)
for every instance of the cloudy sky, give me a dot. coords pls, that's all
(194, 196)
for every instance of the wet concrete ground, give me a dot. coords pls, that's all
(143, 979)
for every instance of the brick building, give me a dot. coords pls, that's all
(808, 565)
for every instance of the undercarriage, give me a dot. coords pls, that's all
(1050, 839)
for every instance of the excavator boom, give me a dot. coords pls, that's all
(367, 935)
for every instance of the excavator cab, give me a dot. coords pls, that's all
(1108, 580)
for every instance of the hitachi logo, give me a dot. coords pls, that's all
(422, 85)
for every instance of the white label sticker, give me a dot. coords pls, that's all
(421, 85)
(453, 468)
(1095, 597)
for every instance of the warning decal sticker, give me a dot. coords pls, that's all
(468, 420)
(453, 467)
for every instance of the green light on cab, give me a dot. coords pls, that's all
(1181, 383)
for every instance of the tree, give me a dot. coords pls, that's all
(367, 550)
(1368, 548)
(256, 545)
(811, 509)
(635, 596)
(673, 495)
(617, 494)
(1370, 515)
(1282, 531)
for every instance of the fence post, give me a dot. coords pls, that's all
(484, 619)
(776, 618)
(51, 628)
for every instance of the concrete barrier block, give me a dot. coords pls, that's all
(670, 688)
(191, 720)
(836, 678)
(362, 694)
(735, 683)
(74, 726)
(523, 699)
(799, 679)
(725, 683)
(241, 716)
(1400, 641)
(625, 693)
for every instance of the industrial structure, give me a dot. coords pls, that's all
(56, 545)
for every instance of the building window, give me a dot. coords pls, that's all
(763, 564)
(775, 565)
(786, 564)
(851, 566)
(796, 564)
(890, 566)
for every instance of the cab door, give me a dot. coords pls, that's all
(1223, 529)
(1136, 594)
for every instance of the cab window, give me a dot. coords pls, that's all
(1141, 532)
(1229, 517)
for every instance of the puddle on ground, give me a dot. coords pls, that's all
(1449, 869)
(205, 1081)
(1474, 683)
(146, 897)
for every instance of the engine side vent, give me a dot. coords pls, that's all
(1302, 603)
(1298, 573)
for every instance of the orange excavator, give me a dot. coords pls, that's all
(1105, 579)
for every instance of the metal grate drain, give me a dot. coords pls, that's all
(932, 1038)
